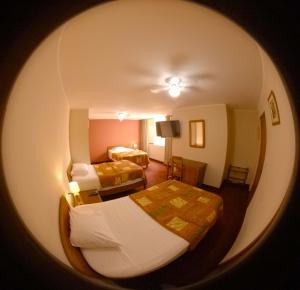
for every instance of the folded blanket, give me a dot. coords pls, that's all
(117, 172)
(181, 208)
(137, 156)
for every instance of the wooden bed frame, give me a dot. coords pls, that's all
(123, 188)
(73, 254)
(69, 169)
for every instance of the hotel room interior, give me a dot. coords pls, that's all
(186, 73)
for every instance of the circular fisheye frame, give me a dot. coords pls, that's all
(218, 73)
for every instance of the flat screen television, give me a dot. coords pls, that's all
(168, 128)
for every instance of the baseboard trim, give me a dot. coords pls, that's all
(159, 161)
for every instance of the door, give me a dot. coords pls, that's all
(262, 153)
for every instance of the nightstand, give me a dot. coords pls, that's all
(90, 196)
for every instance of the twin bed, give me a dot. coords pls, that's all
(125, 172)
(108, 177)
(137, 234)
(117, 153)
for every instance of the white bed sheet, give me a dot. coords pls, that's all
(146, 245)
(118, 150)
(91, 181)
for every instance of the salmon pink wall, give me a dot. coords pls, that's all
(103, 133)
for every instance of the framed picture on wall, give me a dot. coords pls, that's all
(273, 109)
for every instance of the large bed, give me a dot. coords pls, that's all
(146, 236)
(116, 153)
(108, 177)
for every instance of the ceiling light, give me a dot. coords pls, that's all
(122, 116)
(174, 91)
(174, 86)
(174, 81)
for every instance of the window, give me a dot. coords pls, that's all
(152, 137)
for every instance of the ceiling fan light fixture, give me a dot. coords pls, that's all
(174, 81)
(174, 90)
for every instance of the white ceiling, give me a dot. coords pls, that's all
(111, 56)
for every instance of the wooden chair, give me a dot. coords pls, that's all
(175, 168)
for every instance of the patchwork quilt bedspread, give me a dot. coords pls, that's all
(185, 210)
(117, 172)
(137, 156)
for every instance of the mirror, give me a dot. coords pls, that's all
(197, 133)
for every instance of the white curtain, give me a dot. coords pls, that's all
(144, 135)
(168, 146)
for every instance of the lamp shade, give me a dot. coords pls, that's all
(74, 187)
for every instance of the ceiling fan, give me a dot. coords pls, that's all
(174, 85)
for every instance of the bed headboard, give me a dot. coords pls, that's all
(69, 169)
(73, 254)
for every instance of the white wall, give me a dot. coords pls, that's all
(216, 139)
(36, 145)
(244, 140)
(279, 161)
(79, 135)
(156, 152)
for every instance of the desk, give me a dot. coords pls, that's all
(193, 171)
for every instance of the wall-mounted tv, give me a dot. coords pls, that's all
(168, 128)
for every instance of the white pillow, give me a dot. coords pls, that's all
(79, 169)
(118, 149)
(89, 229)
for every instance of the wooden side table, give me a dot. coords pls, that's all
(193, 172)
(90, 196)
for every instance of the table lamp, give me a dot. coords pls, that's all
(74, 189)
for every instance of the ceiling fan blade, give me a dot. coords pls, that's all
(201, 76)
(197, 89)
(139, 71)
(178, 63)
(156, 91)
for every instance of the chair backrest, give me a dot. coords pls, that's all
(177, 166)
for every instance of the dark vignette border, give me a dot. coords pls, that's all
(274, 265)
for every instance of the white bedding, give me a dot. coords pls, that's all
(146, 245)
(88, 181)
(118, 150)
(91, 181)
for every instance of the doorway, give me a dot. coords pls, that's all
(262, 152)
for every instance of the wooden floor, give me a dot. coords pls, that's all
(194, 265)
